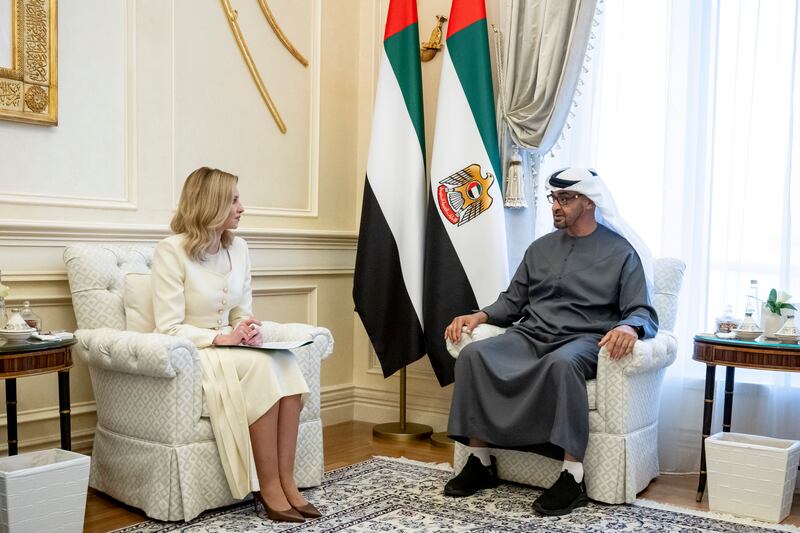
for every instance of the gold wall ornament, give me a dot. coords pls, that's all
(279, 33)
(36, 99)
(429, 48)
(232, 15)
(29, 86)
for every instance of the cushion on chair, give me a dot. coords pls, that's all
(138, 301)
(96, 280)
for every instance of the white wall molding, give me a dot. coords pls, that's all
(342, 403)
(82, 442)
(50, 413)
(257, 272)
(425, 373)
(309, 291)
(336, 404)
(40, 301)
(300, 271)
(312, 209)
(81, 438)
(34, 233)
(129, 201)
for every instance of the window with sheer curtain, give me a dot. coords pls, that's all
(689, 111)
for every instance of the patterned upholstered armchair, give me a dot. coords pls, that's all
(153, 445)
(622, 456)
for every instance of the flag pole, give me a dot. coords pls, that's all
(402, 431)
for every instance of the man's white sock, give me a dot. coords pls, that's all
(574, 468)
(482, 453)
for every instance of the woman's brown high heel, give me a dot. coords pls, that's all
(307, 510)
(289, 515)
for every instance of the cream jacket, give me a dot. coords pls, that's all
(195, 302)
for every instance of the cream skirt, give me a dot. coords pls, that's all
(240, 385)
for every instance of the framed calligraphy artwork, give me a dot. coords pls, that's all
(28, 61)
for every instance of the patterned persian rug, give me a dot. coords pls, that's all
(385, 494)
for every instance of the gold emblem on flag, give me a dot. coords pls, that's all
(464, 195)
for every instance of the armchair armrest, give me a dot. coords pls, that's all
(628, 389)
(648, 356)
(483, 331)
(322, 338)
(145, 354)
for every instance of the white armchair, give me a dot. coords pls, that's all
(622, 455)
(153, 446)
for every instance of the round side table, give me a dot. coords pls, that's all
(32, 358)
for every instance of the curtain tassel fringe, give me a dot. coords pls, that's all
(514, 194)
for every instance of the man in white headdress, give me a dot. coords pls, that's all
(584, 286)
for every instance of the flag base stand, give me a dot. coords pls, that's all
(441, 440)
(394, 431)
(402, 431)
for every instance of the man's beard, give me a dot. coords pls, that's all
(560, 222)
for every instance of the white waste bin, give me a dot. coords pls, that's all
(750, 475)
(43, 491)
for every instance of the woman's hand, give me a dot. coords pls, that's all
(246, 332)
(252, 329)
(255, 340)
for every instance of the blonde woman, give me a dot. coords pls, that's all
(201, 284)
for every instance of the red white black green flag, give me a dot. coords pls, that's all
(387, 288)
(466, 265)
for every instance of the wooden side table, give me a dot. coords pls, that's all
(731, 354)
(31, 358)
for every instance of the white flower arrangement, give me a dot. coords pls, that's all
(4, 290)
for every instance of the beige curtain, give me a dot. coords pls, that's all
(543, 49)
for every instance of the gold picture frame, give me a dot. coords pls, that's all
(29, 88)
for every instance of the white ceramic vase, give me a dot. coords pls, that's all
(770, 322)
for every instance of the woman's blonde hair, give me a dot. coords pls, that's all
(203, 208)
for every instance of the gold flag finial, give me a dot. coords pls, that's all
(428, 49)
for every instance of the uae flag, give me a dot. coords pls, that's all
(466, 266)
(387, 288)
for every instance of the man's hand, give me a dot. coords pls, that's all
(619, 341)
(453, 331)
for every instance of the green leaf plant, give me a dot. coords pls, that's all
(775, 304)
